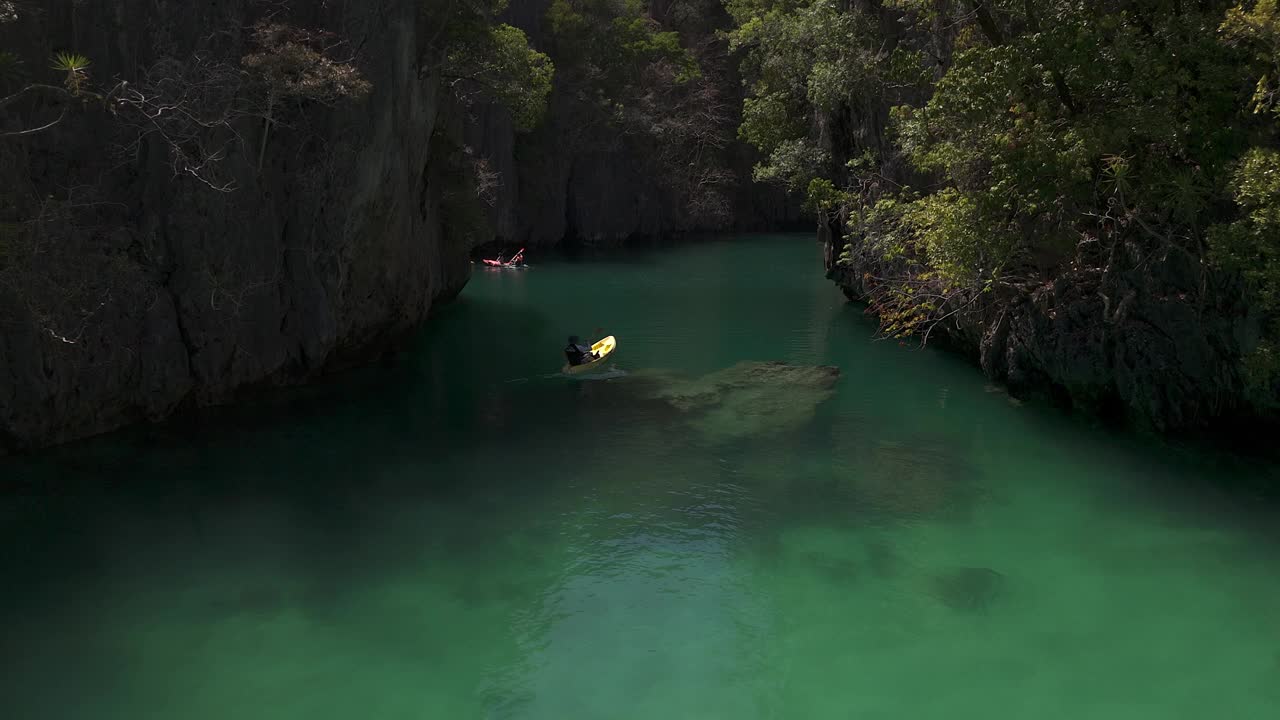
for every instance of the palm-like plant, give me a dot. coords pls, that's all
(76, 68)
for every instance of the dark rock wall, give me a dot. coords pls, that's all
(154, 291)
(603, 192)
(1157, 344)
(166, 293)
(593, 185)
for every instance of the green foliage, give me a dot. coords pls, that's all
(75, 69)
(793, 162)
(650, 74)
(1262, 370)
(1049, 118)
(770, 121)
(1026, 128)
(823, 197)
(1029, 131)
(494, 60)
(617, 55)
(1258, 29)
(802, 56)
(291, 62)
(500, 62)
(611, 45)
(70, 62)
(1251, 245)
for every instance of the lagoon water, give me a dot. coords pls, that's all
(461, 533)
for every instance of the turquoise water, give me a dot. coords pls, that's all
(459, 533)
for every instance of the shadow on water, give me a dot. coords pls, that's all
(326, 461)
(1207, 482)
(652, 251)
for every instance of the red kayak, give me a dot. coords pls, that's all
(516, 261)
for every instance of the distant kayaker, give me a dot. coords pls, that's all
(577, 353)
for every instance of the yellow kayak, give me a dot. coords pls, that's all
(602, 349)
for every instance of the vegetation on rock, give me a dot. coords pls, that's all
(654, 72)
(972, 146)
(490, 59)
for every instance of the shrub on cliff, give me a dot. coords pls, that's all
(291, 65)
(503, 67)
(651, 71)
(985, 144)
(479, 57)
(1251, 244)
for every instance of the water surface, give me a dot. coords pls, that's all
(458, 533)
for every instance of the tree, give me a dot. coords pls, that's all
(73, 70)
(291, 64)
(979, 144)
(1250, 245)
(649, 82)
(500, 65)
(479, 57)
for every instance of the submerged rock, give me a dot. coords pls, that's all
(922, 477)
(750, 398)
(970, 589)
(882, 559)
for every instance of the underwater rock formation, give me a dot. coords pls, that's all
(970, 589)
(912, 479)
(750, 398)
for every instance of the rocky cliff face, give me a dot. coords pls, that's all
(600, 192)
(1154, 342)
(133, 284)
(581, 181)
(158, 252)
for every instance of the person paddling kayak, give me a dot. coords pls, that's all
(577, 353)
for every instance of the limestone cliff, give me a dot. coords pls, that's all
(601, 192)
(183, 234)
(574, 178)
(135, 284)
(1157, 344)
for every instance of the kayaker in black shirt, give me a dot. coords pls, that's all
(578, 353)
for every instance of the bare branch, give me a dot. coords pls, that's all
(36, 88)
(33, 131)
